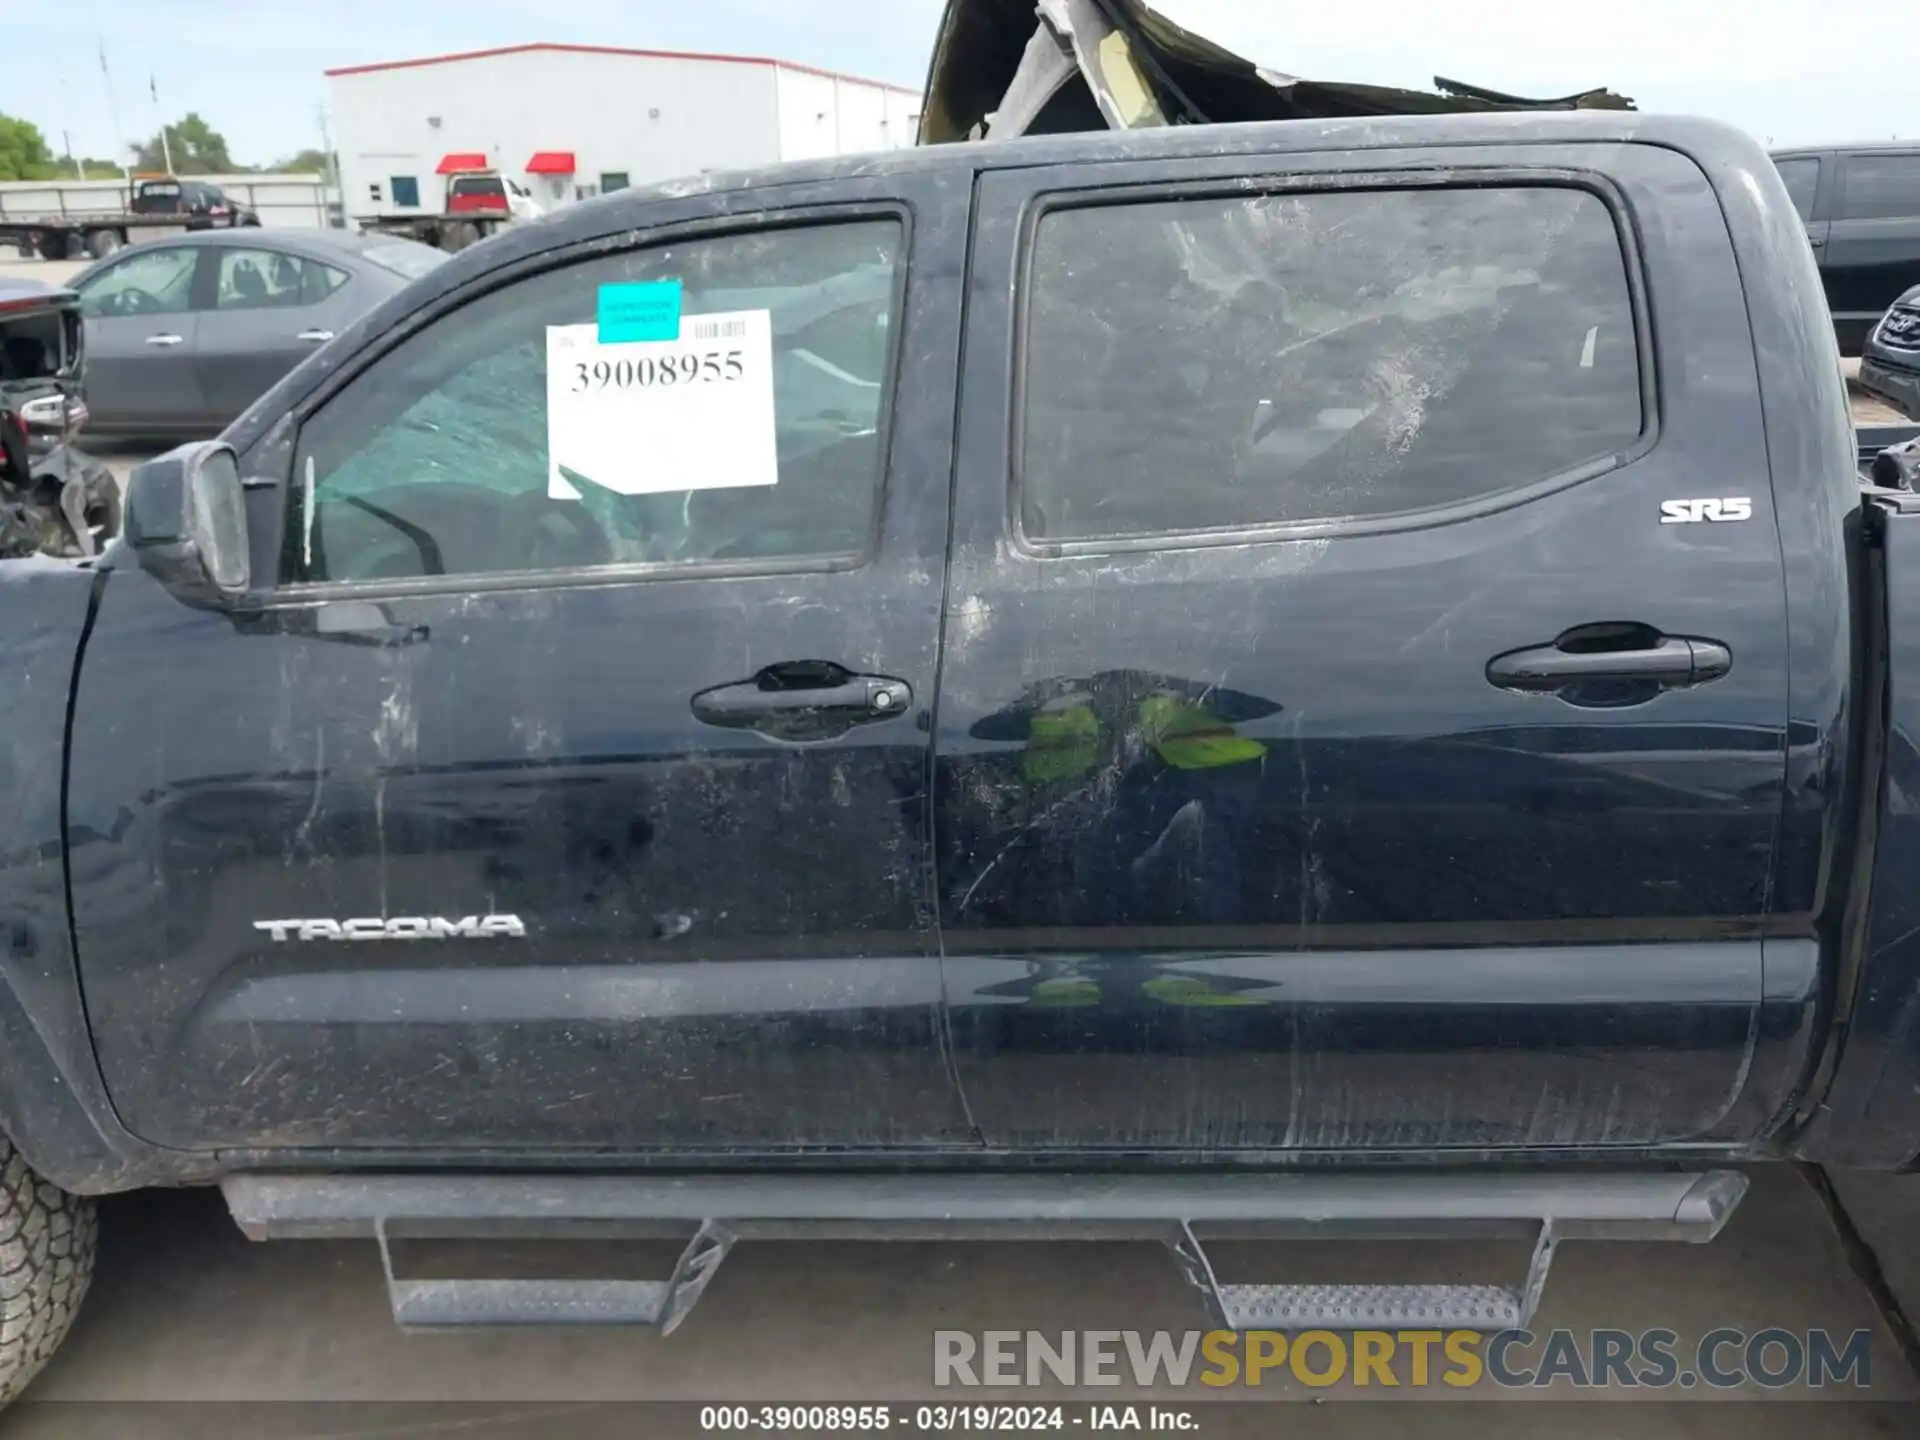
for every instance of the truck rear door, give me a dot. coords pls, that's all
(558, 803)
(1364, 685)
(1873, 245)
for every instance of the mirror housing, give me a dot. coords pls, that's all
(187, 523)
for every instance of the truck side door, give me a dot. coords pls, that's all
(1873, 245)
(528, 812)
(1337, 748)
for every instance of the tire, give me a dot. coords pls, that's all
(102, 243)
(458, 236)
(46, 1262)
(55, 247)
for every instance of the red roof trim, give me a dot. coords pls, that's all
(458, 55)
(551, 162)
(462, 160)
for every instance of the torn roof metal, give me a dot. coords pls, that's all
(1034, 67)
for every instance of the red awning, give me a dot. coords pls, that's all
(461, 160)
(551, 162)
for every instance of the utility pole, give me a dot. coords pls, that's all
(113, 114)
(66, 123)
(331, 179)
(166, 149)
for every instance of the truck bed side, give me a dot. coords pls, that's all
(1870, 1112)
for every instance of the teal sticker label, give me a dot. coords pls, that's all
(644, 310)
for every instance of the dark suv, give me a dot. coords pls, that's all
(1861, 205)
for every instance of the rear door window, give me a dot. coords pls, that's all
(1801, 175)
(273, 280)
(1223, 362)
(1877, 187)
(434, 461)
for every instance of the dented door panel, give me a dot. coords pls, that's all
(1241, 844)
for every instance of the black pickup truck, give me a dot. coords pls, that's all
(1305, 674)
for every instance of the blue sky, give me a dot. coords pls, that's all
(1791, 71)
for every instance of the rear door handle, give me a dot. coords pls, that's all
(1639, 658)
(803, 700)
(166, 340)
(318, 337)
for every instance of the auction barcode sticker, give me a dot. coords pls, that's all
(659, 416)
(718, 327)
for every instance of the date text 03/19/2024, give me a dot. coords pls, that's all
(978, 1419)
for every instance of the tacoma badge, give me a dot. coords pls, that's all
(408, 927)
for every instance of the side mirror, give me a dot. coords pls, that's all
(187, 523)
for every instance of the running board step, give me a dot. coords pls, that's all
(444, 1304)
(1183, 1211)
(1371, 1307)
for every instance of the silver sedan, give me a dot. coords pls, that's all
(184, 333)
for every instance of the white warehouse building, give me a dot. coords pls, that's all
(570, 121)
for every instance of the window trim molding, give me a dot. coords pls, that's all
(280, 592)
(1252, 184)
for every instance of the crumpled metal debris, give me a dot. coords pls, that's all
(1897, 467)
(1001, 69)
(55, 500)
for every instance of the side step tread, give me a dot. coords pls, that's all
(1368, 1307)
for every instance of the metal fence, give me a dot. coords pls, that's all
(289, 201)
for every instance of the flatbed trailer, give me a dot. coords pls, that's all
(154, 208)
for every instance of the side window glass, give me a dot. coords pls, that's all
(435, 461)
(1801, 173)
(152, 282)
(273, 280)
(1222, 362)
(1878, 187)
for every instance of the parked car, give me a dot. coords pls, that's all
(184, 334)
(1250, 700)
(1890, 365)
(1861, 206)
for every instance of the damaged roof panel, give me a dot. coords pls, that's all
(1006, 68)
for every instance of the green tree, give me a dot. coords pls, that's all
(307, 162)
(197, 149)
(24, 153)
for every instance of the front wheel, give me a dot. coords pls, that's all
(46, 1261)
(102, 243)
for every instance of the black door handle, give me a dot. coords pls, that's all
(1612, 664)
(804, 700)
